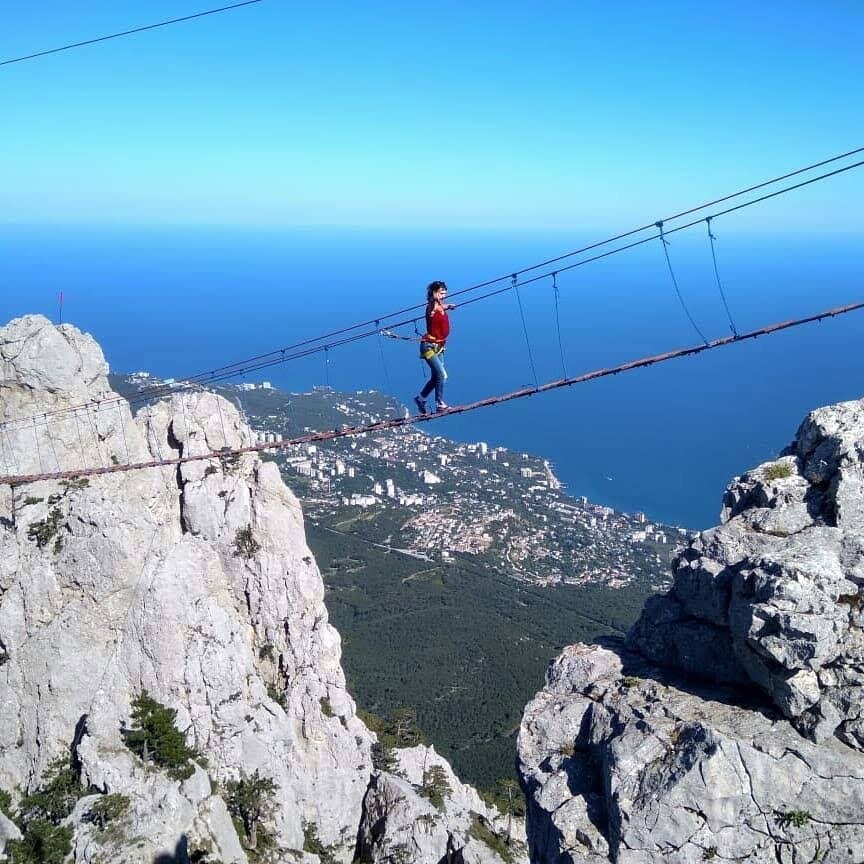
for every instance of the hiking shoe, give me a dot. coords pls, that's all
(441, 406)
(421, 405)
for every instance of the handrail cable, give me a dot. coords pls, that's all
(398, 422)
(311, 345)
(126, 32)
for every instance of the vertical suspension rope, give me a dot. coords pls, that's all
(95, 430)
(515, 285)
(185, 419)
(80, 441)
(556, 292)
(51, 442)
(123, 431)
(221, 420)
(38, 450)
(711, 239)
(419, 335)
(387, 383)
(5, 460)
(327, 366)
(665, 243)
(11, 448)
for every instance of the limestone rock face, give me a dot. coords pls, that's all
(403, 820)
(194, 583)
(732, 722)
(624, 762)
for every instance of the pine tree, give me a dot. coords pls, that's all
(154, 736)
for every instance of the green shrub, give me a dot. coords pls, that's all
(507, 797)
(154, 736)
(45, 840)
(777, 471)
(397, 729)
(312, 844)
(46, 530)
(797, 818)
(5, 803)
(106, 809)
(245, 544)
(42, 843)
(326, 707)
(383, 758)
(481, 830)
(436, 787)
(55, 799)
(277, 695)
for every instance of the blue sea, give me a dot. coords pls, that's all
(664, 440)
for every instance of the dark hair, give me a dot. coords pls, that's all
(431, 288)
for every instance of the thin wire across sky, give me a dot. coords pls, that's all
(134, 30)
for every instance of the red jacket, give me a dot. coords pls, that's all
(437, 326)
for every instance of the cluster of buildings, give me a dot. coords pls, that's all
(453, 498)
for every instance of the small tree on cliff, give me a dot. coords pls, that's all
(250, 799)
(154, 736)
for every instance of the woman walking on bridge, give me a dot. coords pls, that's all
(432, 345)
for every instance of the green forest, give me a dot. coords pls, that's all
(463, 645)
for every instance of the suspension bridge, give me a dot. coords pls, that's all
(388, 325)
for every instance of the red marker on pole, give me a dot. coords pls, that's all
(61, 308)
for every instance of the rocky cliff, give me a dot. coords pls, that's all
(192, 585)
(730, 725)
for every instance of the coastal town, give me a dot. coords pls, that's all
(437, 498)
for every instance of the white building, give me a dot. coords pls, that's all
(429, 478)
(484, 448)
(360, 500)
(266, 385)
(391, 488)
(378, 489)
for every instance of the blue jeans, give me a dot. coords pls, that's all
(437, 379)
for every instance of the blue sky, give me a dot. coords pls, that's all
(448, 115)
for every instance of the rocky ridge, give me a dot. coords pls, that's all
(195, 584)
(730, 725)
